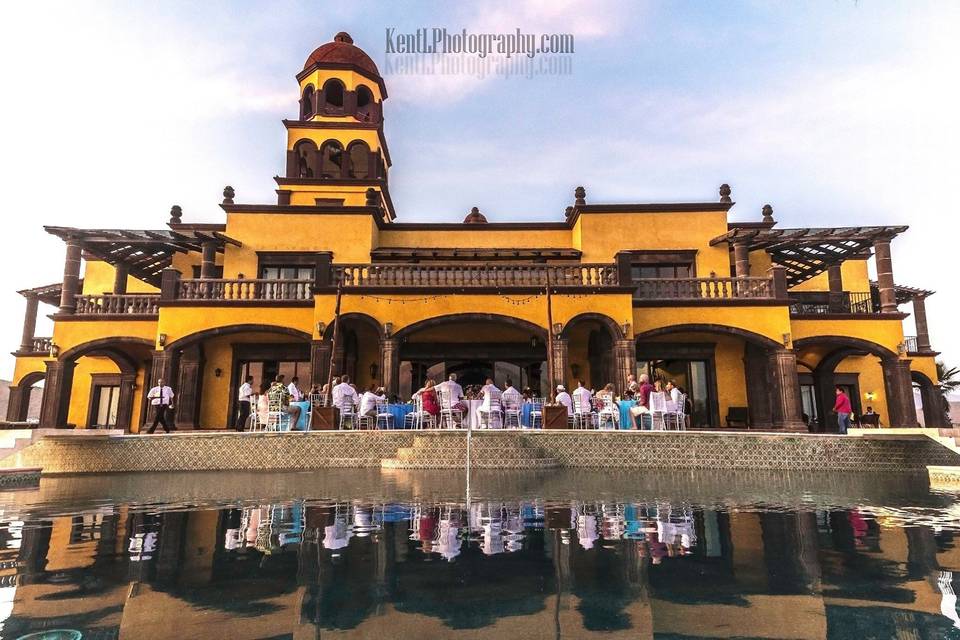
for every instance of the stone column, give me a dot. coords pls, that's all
(125, 402)
(920, 319)
(188, 387)
(208, 259)
(390, 366)
(825, 396)
(835, 285)
(741, 258)
(933, 415)
(625, 359)
(56, 394)
(120, 279)
(71, 278)
(899, 390)
(785, 391)
(319, 362)
(756, 368)
(29, 323)
(888, 296)
(560, 359)
(16, 403)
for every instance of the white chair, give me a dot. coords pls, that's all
(511, 411)
(348, 414)
(609, 413)
(384, 416)
(418, 417)
(253, 420)
(487, 415)
(678, 417)
(658, 410)
(277, 416)
(584, 417)
(451, 417)
(536, 412)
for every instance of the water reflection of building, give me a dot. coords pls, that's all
(362, 570)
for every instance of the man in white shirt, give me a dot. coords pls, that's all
(369, 399)
(344, 393)
(564, 398)
(244, 397)
(581, 396)
(491, 395)
(161, 397)
(452, 389)
(294, 388)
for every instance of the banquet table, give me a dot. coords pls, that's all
(304, 418)
(399, 413)
(626, 420)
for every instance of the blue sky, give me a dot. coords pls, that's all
(835, 112)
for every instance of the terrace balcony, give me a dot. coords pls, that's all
(821, 303)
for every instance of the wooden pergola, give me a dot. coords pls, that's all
(144, 253)
(805, 253)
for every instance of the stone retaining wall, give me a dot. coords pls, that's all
(314, 450)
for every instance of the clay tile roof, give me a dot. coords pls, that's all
(342, 51)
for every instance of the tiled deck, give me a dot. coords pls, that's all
(212, 451)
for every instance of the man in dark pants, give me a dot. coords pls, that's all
(245, 396)
(161, 397)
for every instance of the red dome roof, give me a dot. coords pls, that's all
(342, 51)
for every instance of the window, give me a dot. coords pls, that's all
(331, 161)
(333, 92)
(106, 401)
(364, 103)
(286, 272)
(647, 271)
(306, 105)
(306, 154)
(359, 157)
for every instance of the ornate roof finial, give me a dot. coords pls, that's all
(343, 36)
(228, 194)
(176, 214)
(475, 217)
(568, 212)
(767, 213)
(372, 197)
(725, 192)
(580, 195)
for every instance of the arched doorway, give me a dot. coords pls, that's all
(851, 363)
(590, 340)
(19, 400)
(207, 368)
(933, 410)
(733, 377)
(475, 346)
(109, 368)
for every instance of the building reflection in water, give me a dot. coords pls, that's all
(523, 568)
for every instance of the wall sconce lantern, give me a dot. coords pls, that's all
(902, 348)
(374, 369)
(533, 342)
(162, 340)
(870, 395)
(557, 328)
(626, 328)
(54, 350)
(218, 372)
(786, 339)
(321, 327)
(575, 370)
(387, 329)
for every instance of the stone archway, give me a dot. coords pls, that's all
(896, 376)
(126, 352)
(934, 412)
(770, 374)
(609, 354)
(18, 403)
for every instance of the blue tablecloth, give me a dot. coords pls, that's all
(626, 420)
(304, 419)
(399, 412)
(525, 414)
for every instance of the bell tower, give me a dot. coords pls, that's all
(336, 150)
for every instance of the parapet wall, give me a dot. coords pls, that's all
(575, 449)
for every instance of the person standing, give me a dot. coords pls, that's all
(843, 410)
(245, 396)
(161, 397)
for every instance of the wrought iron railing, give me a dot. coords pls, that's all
(136, 304)
(475, 275)
(243, 289)
(703, 288)
(826, 302)
(910, 342)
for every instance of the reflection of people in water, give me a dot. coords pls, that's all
(948, 598)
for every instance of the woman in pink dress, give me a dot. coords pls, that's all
(428, 395)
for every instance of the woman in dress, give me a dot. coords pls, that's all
(428, 395)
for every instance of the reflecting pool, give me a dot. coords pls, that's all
(370, 554)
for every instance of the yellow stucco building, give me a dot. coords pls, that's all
(757, 322)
